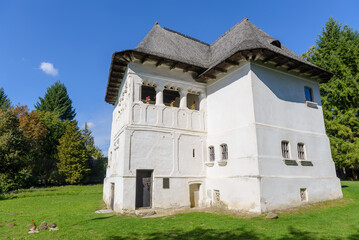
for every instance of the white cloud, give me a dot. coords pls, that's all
(49, 68)
(90, 125)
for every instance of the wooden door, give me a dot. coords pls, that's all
(194, 194)
(143, 188)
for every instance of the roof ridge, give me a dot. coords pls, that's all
(186, 36)
(246, 18)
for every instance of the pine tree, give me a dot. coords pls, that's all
(57, 99)
(73, 156)
(4, 100)
(337, 50)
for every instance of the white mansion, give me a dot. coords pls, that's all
(237, 123)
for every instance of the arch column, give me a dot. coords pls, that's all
(202, 101)
(159, 95)
(183, 99)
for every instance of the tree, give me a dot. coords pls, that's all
(96, 161)
(46, 171)
(72, 155)
(337, 50)
(4, 100)
(13, 149)
(56, 99)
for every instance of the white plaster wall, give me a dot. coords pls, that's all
(240, 193)
(178, 195)
(230, 118)
(279, 100)
(190, 165)
(281, 114)
(152, 150)
(281, 193)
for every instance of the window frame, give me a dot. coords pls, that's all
(311, 98)
(301, 151)
(212, 155)
(224, 151)
(285, 149)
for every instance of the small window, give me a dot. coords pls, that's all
(194, 152)
(285, 149)
(308, 94)
(276, 43)
(211, 153)
(216, 197)
(148, 95)
(303, 195)
(171, 98)
(192, 101)
(224, 148)
(166, 183)
(301, 153)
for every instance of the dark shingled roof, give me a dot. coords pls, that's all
(242, 41)
(170, 44)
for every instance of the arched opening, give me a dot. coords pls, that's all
(148, 94)
(171, 98)
(192, 101)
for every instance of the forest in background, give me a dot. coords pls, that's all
(45, 146)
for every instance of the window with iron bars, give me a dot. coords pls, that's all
(285, 149)
(301, 153)
(211, 153)
(224, 148)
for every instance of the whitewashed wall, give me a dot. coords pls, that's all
(251, 109)
(281, 113)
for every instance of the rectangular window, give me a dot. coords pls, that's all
(301, 154)
(224, 148)
(285, 149)
(211, 153)
(308, 94)
(166, 183)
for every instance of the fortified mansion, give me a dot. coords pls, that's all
(237, 123)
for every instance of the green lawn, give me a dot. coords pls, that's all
(72, 208)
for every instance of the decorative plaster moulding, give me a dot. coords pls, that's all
(222, 163)
(209, 164)
(311, 104)
(306, 163)
(288, 161)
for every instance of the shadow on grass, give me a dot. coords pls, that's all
(239, 233)
(102, 218)
(345, 186)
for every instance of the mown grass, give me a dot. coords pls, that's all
(72, 208)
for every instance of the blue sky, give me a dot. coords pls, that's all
(73, 41)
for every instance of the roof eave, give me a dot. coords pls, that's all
(271, 58)
(121, 59)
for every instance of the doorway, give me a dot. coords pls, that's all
(143, 188)
(194, 194)
(112, 196)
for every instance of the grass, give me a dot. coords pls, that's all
(72, 208)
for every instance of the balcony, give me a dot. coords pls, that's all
(167, 116)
